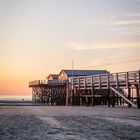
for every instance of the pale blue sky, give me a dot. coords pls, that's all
(38, 37)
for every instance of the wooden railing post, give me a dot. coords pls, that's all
(78, 83)
(85, 83)
(92, 84)
(92, 90)
(127, 80)
(99, 81)
(108, 82)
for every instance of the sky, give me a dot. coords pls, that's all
(39, 37)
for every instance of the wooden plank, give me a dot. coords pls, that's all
(121, 95)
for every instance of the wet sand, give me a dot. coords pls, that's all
(69, 123)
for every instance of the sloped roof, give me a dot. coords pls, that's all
(55, 76)
(84, 72)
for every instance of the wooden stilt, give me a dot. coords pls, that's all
(67, 94)
(138, 96)
(129, 96)
(109, 100)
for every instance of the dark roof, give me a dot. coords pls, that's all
(55, 76)
(84, 72)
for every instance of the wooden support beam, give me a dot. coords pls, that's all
(92, 90)
(121, 95)
(67, 94)
(138, 96)
(108, 82)
(139, 79)
(129, 96)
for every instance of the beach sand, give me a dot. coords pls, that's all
(69, 123)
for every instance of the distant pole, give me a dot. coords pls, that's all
(72, 67)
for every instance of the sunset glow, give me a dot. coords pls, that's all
(42, 37)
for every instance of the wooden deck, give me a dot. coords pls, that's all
(111, 88)
(120, 80)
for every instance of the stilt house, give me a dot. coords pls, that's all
(52, 78)
(65, 74)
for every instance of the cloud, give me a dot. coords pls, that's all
(114, 22)
(125, 22)
(135, 14)
(93, 46)
(131, 32)
(100, 22)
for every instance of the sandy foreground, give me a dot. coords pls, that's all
(69, 123)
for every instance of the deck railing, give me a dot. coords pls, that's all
(37, 82)
(103, 81)
(44, 82)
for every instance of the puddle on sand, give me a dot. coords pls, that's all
(51, 121)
